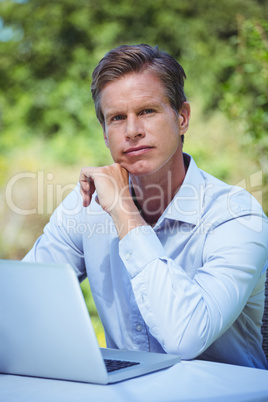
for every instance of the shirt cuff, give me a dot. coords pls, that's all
(140, 247)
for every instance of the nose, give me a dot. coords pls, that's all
(134, 128)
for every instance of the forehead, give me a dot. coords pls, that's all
(133, 86)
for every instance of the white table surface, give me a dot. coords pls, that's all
(186, 381)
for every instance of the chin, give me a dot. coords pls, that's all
(141, 171)
(136, 168)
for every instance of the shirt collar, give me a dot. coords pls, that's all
(187, 205)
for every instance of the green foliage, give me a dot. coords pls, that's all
(48, 50)
(245, 91)
(97, 325)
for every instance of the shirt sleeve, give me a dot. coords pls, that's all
(186, 315)
(60, 243)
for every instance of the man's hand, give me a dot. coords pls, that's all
(110, 183)
(112, 186)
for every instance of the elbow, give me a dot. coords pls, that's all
(196, 337)
(189, 347)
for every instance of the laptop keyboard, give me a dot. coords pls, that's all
(112, 365)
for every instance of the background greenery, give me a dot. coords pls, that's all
(48, 50)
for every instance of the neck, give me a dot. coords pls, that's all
(152, 193)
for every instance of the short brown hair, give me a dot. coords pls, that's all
(128, 59)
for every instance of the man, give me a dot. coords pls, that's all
(176, 259)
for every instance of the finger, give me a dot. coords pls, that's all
(86, 191)
(87, 174)
(86, 197)
(87, 186)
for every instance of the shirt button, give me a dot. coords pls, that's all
(139, 327)
(128, 255)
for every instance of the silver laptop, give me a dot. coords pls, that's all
(46, 331)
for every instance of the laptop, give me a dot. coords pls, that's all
(46, 331)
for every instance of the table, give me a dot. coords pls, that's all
(186, 381)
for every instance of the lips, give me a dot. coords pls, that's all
(137, 150)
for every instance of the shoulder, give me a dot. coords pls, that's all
(223, 202)
(218, 200)
(235, 198)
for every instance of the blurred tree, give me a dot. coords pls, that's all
(244, 88)
(243, 93)
(48, 50)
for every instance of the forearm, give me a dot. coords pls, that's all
(167, 298)
(126, 217)
(187, 314)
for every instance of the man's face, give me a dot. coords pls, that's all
(141, 129)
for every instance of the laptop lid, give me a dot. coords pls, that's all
(46, 330)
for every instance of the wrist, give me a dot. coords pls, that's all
(126, 217)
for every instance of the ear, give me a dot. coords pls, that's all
(184, 117)
(105, 135)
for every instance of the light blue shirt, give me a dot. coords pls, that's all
(191, 285)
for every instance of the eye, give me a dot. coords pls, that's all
(148, 111)
(118, 117)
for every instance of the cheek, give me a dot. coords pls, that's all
(114, 148)
(168, 134)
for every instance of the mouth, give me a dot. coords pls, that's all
(135, 151)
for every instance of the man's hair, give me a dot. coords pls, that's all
(128, 59)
